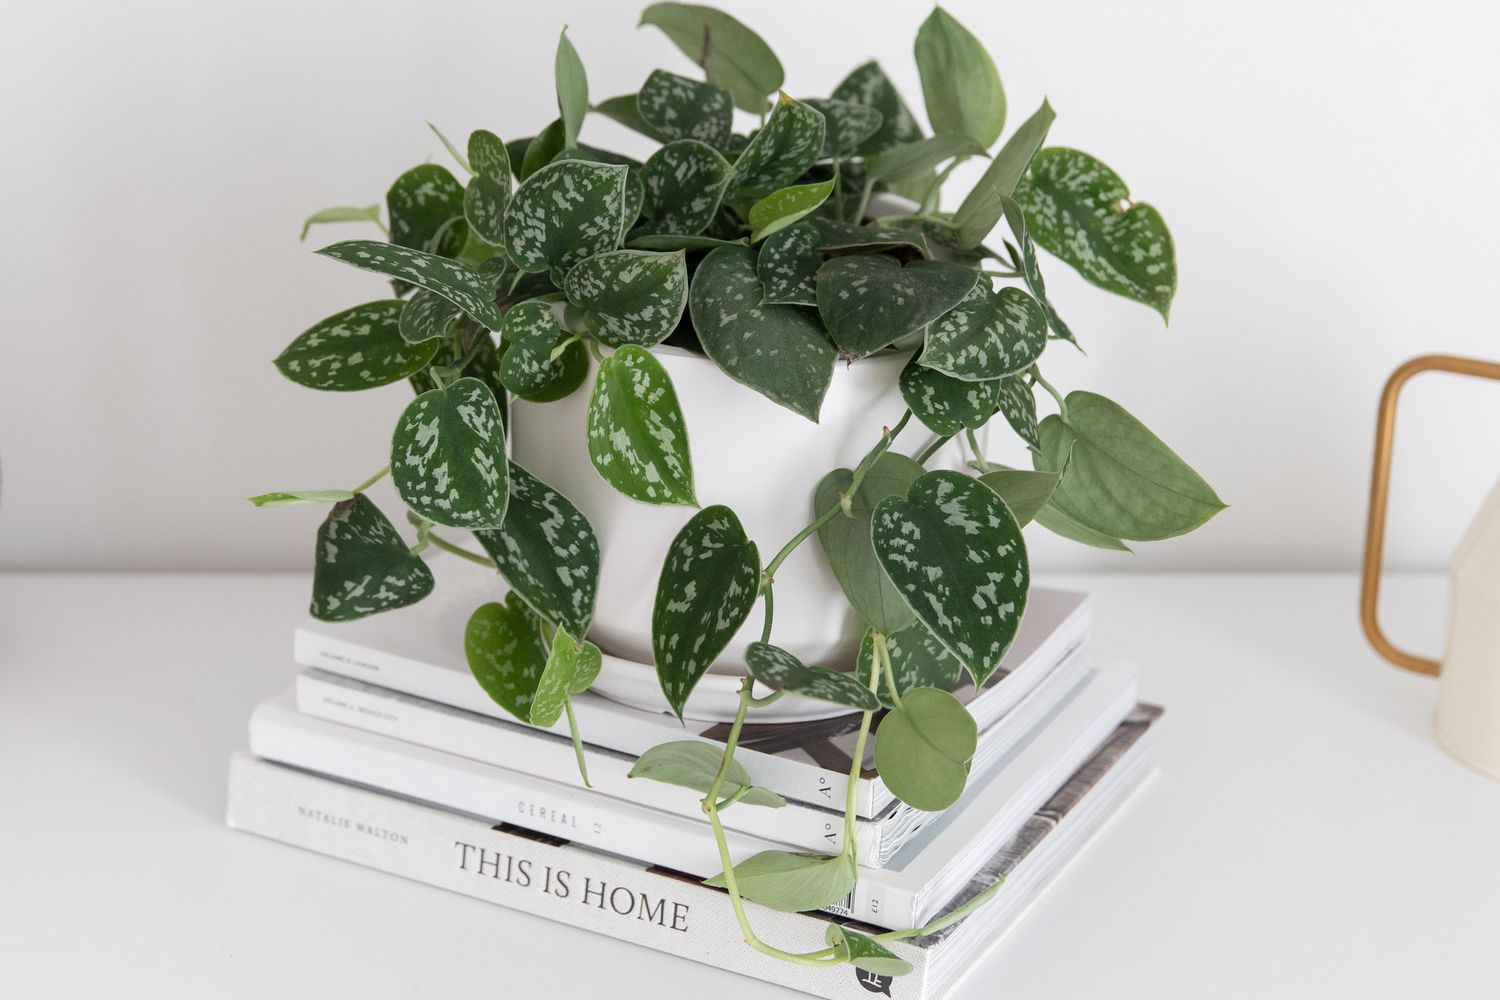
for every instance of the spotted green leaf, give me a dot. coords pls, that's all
(632, 296)
(870, 301)
(694, 764)
(870, 86)
(422, 204)
(488, 193)
(982, 207)
(427, 316)
(571, 667)
(787, 206)
(916, 159)
(779, 153)
(954, 551)
(707, 586)
(959, 81)
(1024, 492)
(839, 237)
(532, 366)
(780, 670)
(448, 456)
(674, 107)
(572, 85)
(684, 184)
(779, 351)
(864, 952)
(846, 542)
(1018, 405)
(923, 748)
(917, 661)
(637, 438)
(300, 498)
(503, 645)
(668, 242)
(342, 213)
(1080, 211)
(788, 265)
(363, 567)
(947, 405)
(635, 191)
(1032, 272)
(792, 882)
(1122, 481)
(732, 56)
(547, 551)
(848, 125)
(456, 282)
(566, 211)
(359, 348)
(990, 334)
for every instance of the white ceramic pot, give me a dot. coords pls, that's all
(758, 458)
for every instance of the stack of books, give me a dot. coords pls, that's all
(387, 753)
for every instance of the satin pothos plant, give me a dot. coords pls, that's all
(545, 267)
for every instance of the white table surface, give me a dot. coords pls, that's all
(1306, 837)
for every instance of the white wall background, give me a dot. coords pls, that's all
(1329, 171)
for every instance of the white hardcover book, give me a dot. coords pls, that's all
(546, 755)
(661, 909)
(918, 879)
(419, 650)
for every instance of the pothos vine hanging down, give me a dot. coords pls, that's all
(758, 251)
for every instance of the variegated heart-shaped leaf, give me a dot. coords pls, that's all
(1080, 211)
(456, 282)
(547, 551)
(780, 670)
(503, 645)
(869, 85)
(985, 203)
(732, 56)
(990, 334)
(923, 749)
(571, 667)
(448, 456)
(846, 538)
(635, 191)
(359, 348)
(869, 302)
(779, 351)
(954, 551)
(532, 366)
(1032, 271)
(947, 405)
(684, 184)
(1018, 405)
(631, 296)
(788, 265)
(427, 316)
(675, 107)
(566, 211)
(707, 586)
(847, 125)
(423, 204)
(779, 153)
(488, 194)
(787, 206)
(363, 567)
(637, 438)
(917, 661)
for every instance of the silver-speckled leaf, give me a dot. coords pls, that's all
(448, 456)
(547, 552)
(635, 190)
(359, 348)
(675, 107)
(869, 302)
(917, 660)
(848, 125)
(684, 184)
(1018, 405)
(503, 645)
(1080, 211)
(955, 552)
(779, 351)
(488, 156)
(427, 316)
(653, 241)
(990, 334)
(571, 667)
(632, 296)
(363, 566)
(637, 438)
(780, 670)
(947, 405)
(485, 202)
(708, 584)
(732, 56)
(788, 265)
(456, 282)
(422, 204)
(566, 211)
(1032, 271)
(846, 539)
(531, 334)
(779, 153)
(870, 86)
(837, 237)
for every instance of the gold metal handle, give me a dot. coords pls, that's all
(1380, 479)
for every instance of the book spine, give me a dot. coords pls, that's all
(556, 881)
(792, 779)
(549, 757)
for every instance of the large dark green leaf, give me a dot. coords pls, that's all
(870, 86)
(503, 645)
(1122, 481)
(637, 438)
(959, 81)
(547, 552)
(572, 89)
(1080, 211)
(792, 882)
(947, 405)
(788, 265)
(456, 282)
(675, 107)
(448, 456)
(870, 302)
(708, 584)
(846, 538)
(363, 567)
(780, 670)
(990, 334)
(422, 204)
(359, 348)
(631, 296)
(732, 56)
(684, 184)
(779, 153)
(954, 551)
(923, 749)
(566, 211)
(694, 764)
(779, 351)
(985, 203)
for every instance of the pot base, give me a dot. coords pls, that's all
(715, 699)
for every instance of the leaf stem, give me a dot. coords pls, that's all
(883, 663)
(1062, 406)
(458, 550)
(372, 480)
(594, 349)
(583, 767)
(851, 835)
(947, 919)
(926, 453)
(864, 201)
(980, 460)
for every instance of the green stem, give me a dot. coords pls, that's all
(883, 661)
(473, 557)
(480, 336)
(768, 699)
(983, 463)
(513, 283)
(583, 767)
(594, 349)
(947, 919)
(864, 202)
(372, 480)
(926, 453)
(1062, 406)
(851, 835)
(770, 610)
